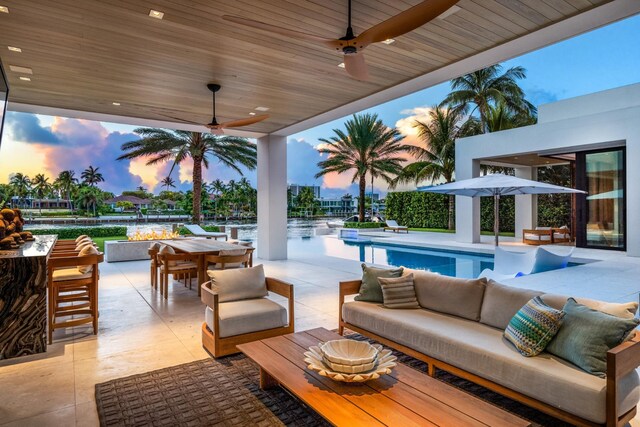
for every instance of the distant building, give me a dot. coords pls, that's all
(33, 203)
(295, 189)
(137, 202)
(342, 206)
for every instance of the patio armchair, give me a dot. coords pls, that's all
(72, 282)
(238, 310)
(198, 231)
(393, 225)
(538, 236)
(561, 234)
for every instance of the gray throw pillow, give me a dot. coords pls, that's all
(399, 292)
(370, 288)
(586, 335)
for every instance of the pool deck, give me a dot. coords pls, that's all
(139, 331)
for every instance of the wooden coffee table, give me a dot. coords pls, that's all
(404, 398)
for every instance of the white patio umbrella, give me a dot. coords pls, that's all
(497, 185)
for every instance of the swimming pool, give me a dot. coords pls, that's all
(450, 263)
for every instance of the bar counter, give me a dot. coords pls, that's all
(23, 298)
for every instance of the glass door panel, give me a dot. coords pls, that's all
(605, 199)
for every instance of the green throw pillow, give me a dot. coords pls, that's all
(370, 289)
(533, 327)
(586, 336)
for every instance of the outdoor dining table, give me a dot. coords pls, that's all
(202, 248)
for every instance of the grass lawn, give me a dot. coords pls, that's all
(100, 240)
(444, 230)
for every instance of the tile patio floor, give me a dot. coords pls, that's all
(140, 331)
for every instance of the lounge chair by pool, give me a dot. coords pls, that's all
(507, 264)
(393, 225)
(198, 231)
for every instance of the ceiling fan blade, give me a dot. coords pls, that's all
(244, 122)
(282, 31)
(356, 66)
(405, 22)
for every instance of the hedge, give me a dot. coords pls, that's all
(364, 225)
(73, 232)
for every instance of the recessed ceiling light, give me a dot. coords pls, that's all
(252, 113)
(14, 49)
(4, 9)
(23, 70)
(116, 103)
(262, 108)
(341, 65)
(26, 79)
(449, 12)
(156, 14)
(388, 41)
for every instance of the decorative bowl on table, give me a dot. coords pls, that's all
(358, 372)
(349, 352)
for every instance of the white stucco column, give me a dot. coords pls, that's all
(272, 197)
(526, 205)
(467, 208)
(632, 192)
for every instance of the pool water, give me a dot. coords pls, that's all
(450, 263)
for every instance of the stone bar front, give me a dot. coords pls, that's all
(23, 298)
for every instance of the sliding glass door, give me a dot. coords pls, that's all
(603, 208)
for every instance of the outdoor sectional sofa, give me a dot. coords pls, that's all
(460, 328)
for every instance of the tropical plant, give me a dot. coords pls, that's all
(42, 188)
(21, 185)
(168, 182)
(306, 200)
(486, 87)
(88, 197)
(125, 205)
(66, 183)
(91, 176)
(436, 157)
(176, 146)
(367, 147)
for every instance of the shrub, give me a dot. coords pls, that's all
(211, 228)
(73, 232)
(364, 224)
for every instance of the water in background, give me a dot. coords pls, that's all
(296, 227)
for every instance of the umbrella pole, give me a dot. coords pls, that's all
(496, 217)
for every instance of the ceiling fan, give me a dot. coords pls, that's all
(214, 126)
(351, 45)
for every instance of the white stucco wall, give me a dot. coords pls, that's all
(587, 122)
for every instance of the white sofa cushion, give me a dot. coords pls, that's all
(502, 302)
(252, 315)
(239, 284)
(482, 350)
(451, 295)
(531, 236)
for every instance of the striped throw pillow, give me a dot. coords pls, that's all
(399, 292)
(533, 327)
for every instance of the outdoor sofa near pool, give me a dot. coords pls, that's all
(459, 329)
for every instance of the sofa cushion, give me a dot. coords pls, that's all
(502, 302)
(625, 310)
(241, 317)
(533, 327)
(370, 288)
(239, 284)
(481, 350)
(587, 335)
(399, 292)
(451, 295)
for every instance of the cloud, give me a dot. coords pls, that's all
(27, 128)
(302, 162)
(538, 96)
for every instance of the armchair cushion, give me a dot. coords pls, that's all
(239, 284)
(251, 315)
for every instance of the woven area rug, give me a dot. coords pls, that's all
(226, 392)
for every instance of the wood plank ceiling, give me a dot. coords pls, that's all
(88, 54)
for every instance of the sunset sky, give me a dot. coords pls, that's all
(599, 60)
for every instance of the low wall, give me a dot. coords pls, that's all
(125, 250)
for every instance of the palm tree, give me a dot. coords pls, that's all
(218, 188)
(167, 183)
(65, 182)
(21, 185)
(436, 159)
(91, 176)
(177, 146)
(368, 146)
(42, 186)
(486, 87)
